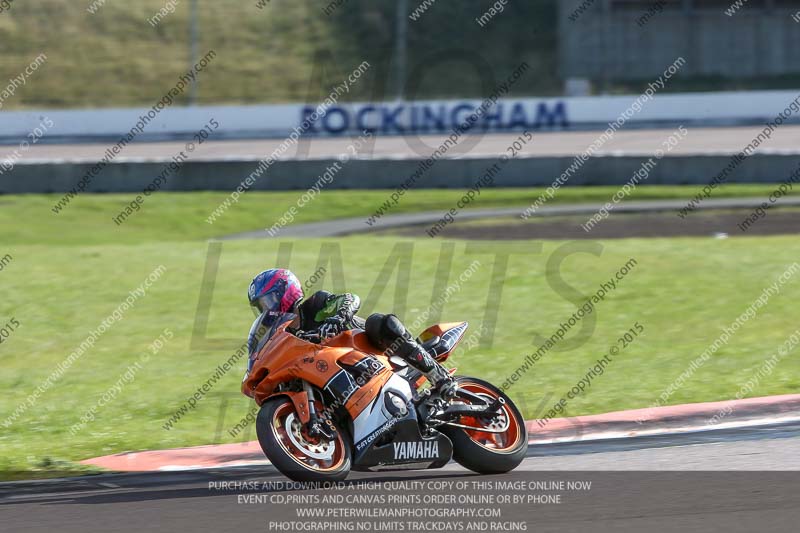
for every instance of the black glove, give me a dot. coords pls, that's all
(349, 306)
(332, 326)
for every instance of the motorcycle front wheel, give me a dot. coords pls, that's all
(291, 450)
(493, 445)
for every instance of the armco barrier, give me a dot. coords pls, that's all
(390, 173)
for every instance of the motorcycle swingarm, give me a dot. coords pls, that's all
(471, 396)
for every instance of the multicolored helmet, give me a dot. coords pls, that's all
(275, 290)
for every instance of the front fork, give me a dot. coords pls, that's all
(317, 428)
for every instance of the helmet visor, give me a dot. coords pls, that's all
(268, 302)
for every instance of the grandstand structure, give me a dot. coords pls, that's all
(605, 40)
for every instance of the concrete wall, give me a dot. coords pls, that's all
(386, 174)
(389, 118)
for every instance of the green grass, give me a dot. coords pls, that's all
(290, 51)
(72, 274)
(182, 216)
(116, 58)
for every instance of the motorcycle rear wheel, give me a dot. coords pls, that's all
(484, 452)
(298, 456)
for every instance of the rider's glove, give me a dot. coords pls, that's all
(331, 327)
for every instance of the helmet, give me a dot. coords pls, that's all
(275, 291)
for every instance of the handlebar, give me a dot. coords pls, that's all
(310, 336)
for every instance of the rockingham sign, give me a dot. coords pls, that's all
(401, 118)
(406, 118)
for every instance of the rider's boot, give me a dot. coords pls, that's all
(410, 351)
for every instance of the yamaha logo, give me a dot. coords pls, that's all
(416, 450)
(322, 366)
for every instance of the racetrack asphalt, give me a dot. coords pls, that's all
(347, 226)
(716, 480)
(731, 480)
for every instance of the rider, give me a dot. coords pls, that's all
(277, 292)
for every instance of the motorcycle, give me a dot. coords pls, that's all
(329, 406)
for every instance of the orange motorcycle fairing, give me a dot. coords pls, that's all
(279, 361)
(376, 418)
(361, 353)
(286, 358)
(300, 401)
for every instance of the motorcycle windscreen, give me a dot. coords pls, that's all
(262, 331)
